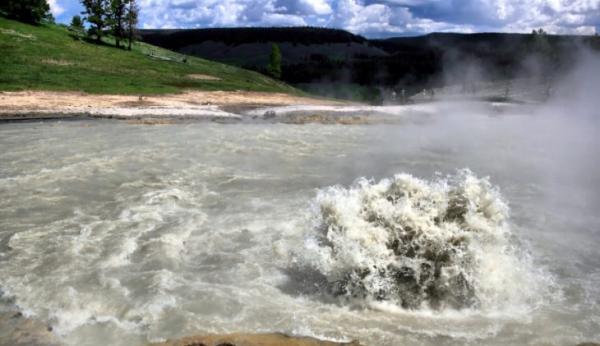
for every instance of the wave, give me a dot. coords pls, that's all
(440, 244)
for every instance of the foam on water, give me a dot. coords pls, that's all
(390, 110)
(144, 242)
(152, 233)
(441, 244)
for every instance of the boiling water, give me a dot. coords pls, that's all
(448, 227)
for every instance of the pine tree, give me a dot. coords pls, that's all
(28, 11)
(76, 25)
(117, 20)
(97, 14)
(274, 67)
(131, 20)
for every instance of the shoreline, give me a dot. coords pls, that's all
(253, 339)
(191, 105)
(214, 106)
(19, 329)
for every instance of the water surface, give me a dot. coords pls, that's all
(120, 234)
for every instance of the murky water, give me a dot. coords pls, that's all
(120, 234)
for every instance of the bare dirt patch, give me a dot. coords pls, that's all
(57, 62)
(12, 32)
(202, 77)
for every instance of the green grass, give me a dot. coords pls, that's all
(50, 57)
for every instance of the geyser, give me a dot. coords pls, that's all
(438, 244)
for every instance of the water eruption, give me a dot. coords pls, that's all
(413, 242)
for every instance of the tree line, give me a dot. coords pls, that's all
(109, 17)
(118, 18)
(175, 39)
(27, 11)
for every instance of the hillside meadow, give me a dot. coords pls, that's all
(51, 57)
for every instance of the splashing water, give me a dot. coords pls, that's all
(439, 244)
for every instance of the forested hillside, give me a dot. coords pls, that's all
(341, 64)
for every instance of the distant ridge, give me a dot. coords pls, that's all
(340, 64)
(177, 38)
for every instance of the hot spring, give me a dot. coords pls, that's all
(454, 224)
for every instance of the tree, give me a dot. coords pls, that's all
(76, 27)
(76, 22)
(547, 58)
(274, 67)
(540, 41)
(131, 21)
(117, 18)
(28, 11)
(96, 12)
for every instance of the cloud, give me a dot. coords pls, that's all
(305, 7)
(378, 17)
(217, 13)
(55, 8)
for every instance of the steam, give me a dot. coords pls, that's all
(539, 70)
(576, 92)
(448, 243)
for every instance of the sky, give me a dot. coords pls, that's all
(370, 18)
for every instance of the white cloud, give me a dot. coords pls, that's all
(375, 17)
(276, 19)
(55, 8)
(555, 16)
(222, 13)
(353, 15)
(318, 7)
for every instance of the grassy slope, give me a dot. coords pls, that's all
(49, 57)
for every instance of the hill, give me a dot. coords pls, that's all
(177, 38)
(50, 57)
(340, 64)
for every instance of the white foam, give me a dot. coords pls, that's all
(438, 244)
(384, 110)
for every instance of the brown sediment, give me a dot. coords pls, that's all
(151, 121)
(18, 330)
(274, 339)
(338, 119)
(240, 108)
(327, 119)
(140, 102)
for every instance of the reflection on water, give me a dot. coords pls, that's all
(125, 233)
